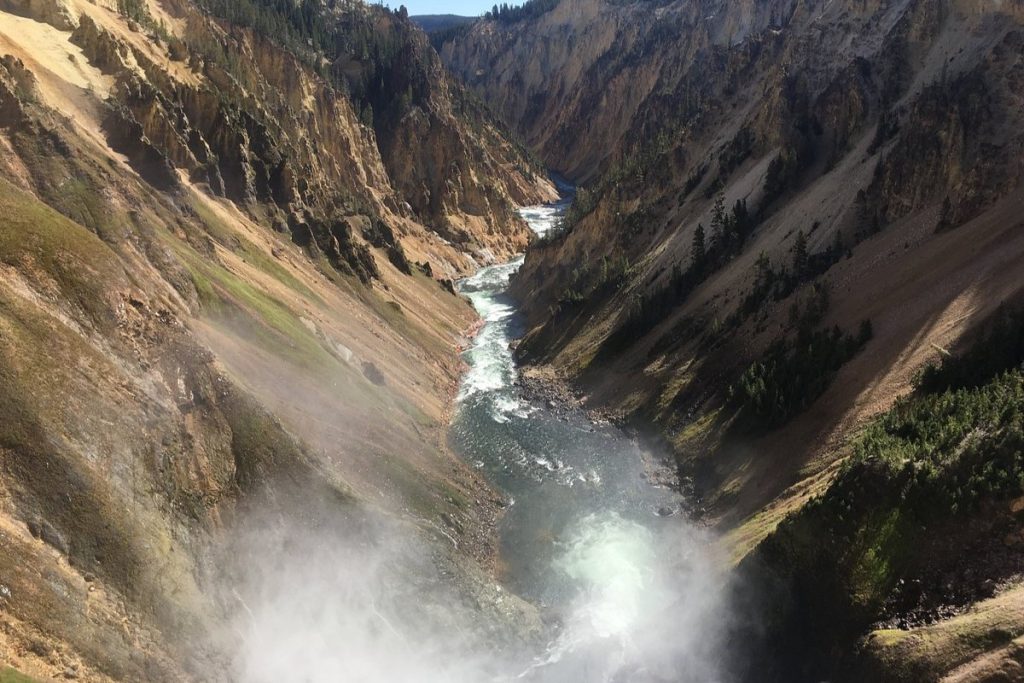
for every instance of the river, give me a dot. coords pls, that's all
(626, 588)
(586, 537)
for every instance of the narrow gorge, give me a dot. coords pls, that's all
(791, 215)
(587, 536)
(580, 340)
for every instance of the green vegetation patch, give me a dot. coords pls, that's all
(943, 461)
(793, 374)
(34, 236)
(251, 253)
(953, 449)
(67, 179)
(226, 297)
(709, 253)
(929, 459)
(9, 675)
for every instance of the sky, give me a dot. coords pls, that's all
(469, 8)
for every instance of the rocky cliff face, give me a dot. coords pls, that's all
(787, 207)
(550, 78)
(224, 289)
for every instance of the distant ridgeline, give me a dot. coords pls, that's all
(528, 10)
(506, 14)
(432, 23)
(444, 28)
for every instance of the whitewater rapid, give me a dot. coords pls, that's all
(587, 538)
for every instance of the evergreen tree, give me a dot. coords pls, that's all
(838, 247)
(800, 256)
(945, 216)
(718, 219)
(698, 252)
(740, 218)
(762, 271)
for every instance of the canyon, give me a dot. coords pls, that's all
(788, 210)
(281, 398)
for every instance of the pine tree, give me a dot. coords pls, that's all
(800, 256)
(718, 219)
(698, 251)
(367, 116)
(740, 218)
(945, 216)
(838, 247)
(763, 270)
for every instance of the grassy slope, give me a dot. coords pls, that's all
(9, 675)
(91, 330)
(161, 352)
(985, 643)
(57, 305)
